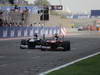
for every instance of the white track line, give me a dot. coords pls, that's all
(68, 64)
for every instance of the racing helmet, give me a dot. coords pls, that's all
(56, 36)
(35, 35)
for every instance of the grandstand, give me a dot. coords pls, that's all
(33, 18)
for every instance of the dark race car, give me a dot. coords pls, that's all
(55, 44)
(31, 43)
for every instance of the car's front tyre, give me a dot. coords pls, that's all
(66, 45)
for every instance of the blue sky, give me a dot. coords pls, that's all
(76, 5)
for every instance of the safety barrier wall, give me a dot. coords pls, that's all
(24, 31)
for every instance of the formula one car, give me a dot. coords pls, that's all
(55, 44)
(31, 43)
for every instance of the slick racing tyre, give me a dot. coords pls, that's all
(23, 42)
(66, 45)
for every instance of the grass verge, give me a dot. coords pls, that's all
(90, 66)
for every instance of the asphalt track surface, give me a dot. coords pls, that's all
(16, 61)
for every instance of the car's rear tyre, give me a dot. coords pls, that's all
(23, 42)
(66, 46)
